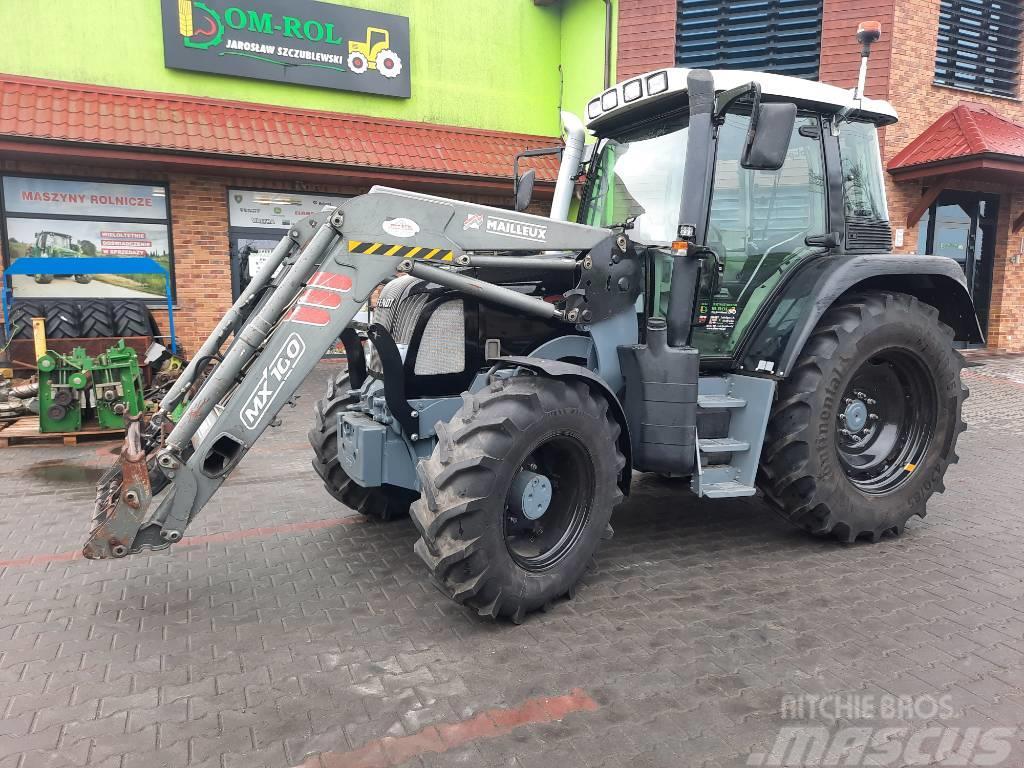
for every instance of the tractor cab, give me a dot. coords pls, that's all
(759, 216)
(54, 243)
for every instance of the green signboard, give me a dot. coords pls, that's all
(290, 41)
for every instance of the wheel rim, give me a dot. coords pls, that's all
(886, 421)
(539, 544)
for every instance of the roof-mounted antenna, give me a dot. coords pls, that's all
(868, 33)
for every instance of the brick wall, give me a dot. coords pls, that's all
(647, 36)
(914, 33)
(840, 51)
(199, 233)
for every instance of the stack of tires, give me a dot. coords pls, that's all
(66, 319)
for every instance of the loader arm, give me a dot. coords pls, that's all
(282, 325)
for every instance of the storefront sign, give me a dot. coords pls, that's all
(274, 210)
(84, 198)
(290, 41)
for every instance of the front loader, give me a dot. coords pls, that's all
(726, 309)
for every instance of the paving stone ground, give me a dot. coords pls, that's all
(289, 640)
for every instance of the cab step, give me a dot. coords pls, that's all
(738, 407)
(719, 402)
(722, 445)
(727, 490)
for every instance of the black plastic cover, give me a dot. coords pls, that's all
(661, 402)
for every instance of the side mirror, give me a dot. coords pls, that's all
(771, 129)
(524, 190)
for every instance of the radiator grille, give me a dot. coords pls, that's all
(443, 346)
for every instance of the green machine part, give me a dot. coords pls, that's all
(117, 386)
(63, 390)
(110, 384)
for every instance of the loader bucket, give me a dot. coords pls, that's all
(123, 495)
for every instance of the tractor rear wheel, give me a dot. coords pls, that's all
(132, 318)
(866, 424)
(63, 320)
(517, 494)
(21, 316)
(97, 319)
(384, 503)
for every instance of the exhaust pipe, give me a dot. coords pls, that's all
(571, 157)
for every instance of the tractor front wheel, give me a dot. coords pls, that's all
(385, 503)
(517, 494)
(865, 425)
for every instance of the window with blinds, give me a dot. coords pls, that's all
(781, 36)
(979, 45)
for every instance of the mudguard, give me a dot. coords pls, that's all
(776, 340)
(557, 369)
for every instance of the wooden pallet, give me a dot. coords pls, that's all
(25, 431)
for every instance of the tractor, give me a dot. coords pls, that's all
(725, 309)
(58, 245)
(374, 53)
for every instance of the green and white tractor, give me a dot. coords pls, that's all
(56, 245)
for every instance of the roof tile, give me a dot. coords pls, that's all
(965, 131)
(69, 112)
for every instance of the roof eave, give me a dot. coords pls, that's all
(986, 161)
(222, 164)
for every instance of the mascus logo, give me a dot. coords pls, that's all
(272, 380)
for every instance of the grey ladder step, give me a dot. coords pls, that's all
(712, 402)
(727, 490)
(722, 445)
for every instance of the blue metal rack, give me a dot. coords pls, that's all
(85, 266)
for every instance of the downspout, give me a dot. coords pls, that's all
(572, 126)
(575, 133)
(608, 21)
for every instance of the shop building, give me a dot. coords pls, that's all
(236, 147)
(955, 161)
(196, 132)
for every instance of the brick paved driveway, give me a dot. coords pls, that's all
(286, 631)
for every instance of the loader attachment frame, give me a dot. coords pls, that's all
(298, 305)
(298, 315)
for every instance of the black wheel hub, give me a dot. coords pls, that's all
(886, 420)
(537, 542)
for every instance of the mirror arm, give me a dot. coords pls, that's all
(726, 99)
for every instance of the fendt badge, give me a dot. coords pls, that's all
(271, 381)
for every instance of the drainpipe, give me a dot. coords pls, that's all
(608, 9)
(572, 126)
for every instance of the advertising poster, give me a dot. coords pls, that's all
(74, 218)
(65, 238)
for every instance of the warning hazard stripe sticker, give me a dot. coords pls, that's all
(401, 251)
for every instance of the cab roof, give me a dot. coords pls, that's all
(639, 94)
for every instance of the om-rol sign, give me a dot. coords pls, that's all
(290, 41)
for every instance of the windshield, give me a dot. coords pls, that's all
(639, 174)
